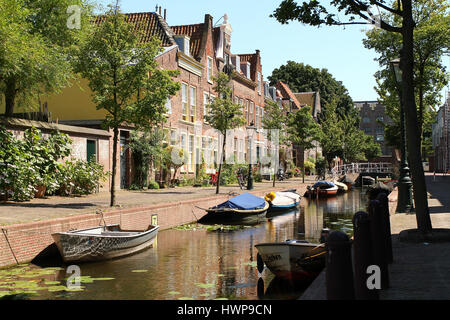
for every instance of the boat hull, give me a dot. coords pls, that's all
(294, 261)
(284, 201)
(87, 245)
(234, 215)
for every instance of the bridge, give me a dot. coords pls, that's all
(367, 167)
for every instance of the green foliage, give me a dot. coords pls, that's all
(147, 149)
(309, 166)
(431, 39)
(79, 177)
(36, 48)
(341, 137)
(36, 161)
(305, 78)
(153, 185)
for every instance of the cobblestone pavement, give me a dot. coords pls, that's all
(56, 207)
(420, 271)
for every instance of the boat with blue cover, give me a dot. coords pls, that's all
(322, 188)
(245, 207)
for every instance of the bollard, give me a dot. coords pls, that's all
(378, 242)
(339, 270)
(386, 224)
(362, 256)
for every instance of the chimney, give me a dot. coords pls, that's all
(165, 14)
(159, 10)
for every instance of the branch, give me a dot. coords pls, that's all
(359, 7)
(394, 11)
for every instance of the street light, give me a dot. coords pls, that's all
(404, 201)
(250, 130)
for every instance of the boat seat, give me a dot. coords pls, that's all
(119, 234)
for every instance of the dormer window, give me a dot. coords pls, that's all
(183, 43)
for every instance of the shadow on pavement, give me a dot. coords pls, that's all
(50, 205)
(438, 187)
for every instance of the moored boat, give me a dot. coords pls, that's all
(342, 187)
(102, 242)
(322, 189)
(293, 259)
(245, 208)
(282, 200)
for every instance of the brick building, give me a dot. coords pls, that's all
(373, 115)
(441, 139)
(199, 51)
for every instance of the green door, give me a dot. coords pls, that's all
(91, 152)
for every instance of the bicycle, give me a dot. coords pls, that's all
(241, 180)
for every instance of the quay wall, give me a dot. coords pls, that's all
(21, 243)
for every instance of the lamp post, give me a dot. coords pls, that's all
(404, 201)
(250, 130)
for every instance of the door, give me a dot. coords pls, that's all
(123, 162)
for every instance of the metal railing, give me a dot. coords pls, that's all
(367, 167)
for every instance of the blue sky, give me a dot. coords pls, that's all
(339, 51)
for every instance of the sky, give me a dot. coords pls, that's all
(334, 48)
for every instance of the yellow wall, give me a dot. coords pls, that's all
(74, 103)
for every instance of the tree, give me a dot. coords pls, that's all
(315, 14)
(275, 119)
(147, 150)
(36, 48)
(303, 131)
(305, 78)
(340, 137)
(124, 77)
(431, 38)
(223, 113)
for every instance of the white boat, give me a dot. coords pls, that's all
(342, 187)
(102, 242)
(292, 259)
(283, 200)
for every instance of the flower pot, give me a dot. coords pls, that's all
(40, 193)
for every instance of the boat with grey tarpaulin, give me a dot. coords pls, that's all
(292, 259)
(103, 242)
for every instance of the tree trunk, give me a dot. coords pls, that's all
(223, 161)
(413, 135)
(10, 96)
(114, 167)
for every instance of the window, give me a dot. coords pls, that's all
(259, 83)
(380, 137)
(380, 130)
(247, 106)
(205, 105)
(193, 100)
(168, 106)
(191, 153)
(173, 137)
(209, 69)
(215, 152)
(366, 120)
(235, 149)
(261, 110)
(380, 118)
(251, 112)
(236, 100)
(184, 110)
(184, 147)
(257, 117)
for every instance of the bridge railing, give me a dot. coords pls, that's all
(368, 167)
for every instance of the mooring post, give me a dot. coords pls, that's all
(386, 224)
(339, 270)
(378, 241)
(362, 256)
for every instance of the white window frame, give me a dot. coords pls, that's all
(184, 101)
(192, 103)
(209, 69)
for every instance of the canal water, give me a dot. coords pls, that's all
(194, 261)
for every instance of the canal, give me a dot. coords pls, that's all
(192, 262)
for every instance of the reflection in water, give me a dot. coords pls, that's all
(202, 264)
